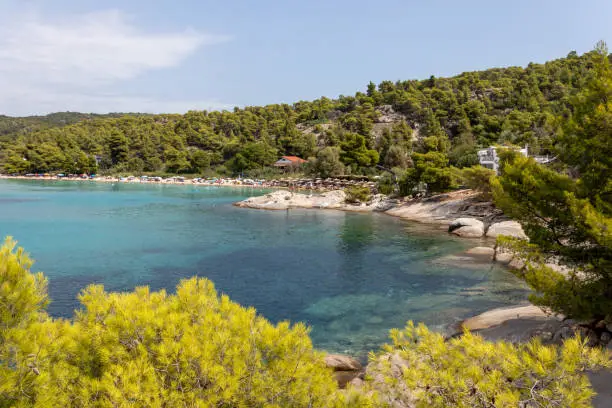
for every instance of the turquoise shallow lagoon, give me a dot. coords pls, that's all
(351, 277)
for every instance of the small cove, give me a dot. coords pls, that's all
(350, 276)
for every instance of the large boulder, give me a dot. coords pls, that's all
(340, 362)
(508, 228)
(467, 227)
(346, 369)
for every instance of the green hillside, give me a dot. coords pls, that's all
(11, 127)
(439, 121)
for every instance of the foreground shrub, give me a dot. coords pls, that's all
(421, 368)
(151, 349)
(198, 349)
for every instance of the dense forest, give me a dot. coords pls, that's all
(11, 127)
(424, 126)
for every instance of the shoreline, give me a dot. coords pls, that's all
(519, 322)
(292, 184)
(440, 210)
(136, 180)
(516, 323)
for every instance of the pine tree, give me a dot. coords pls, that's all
(568, 217)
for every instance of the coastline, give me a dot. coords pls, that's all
(289, 183)
(517, 323)
(471, 219)
(137, 180)
(461, 211)
(442, 210)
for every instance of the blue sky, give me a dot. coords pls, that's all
(173, 56)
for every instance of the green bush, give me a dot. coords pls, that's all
(358, 194)
(386, 185)
(478, 178)
(151, 349)
(423, 369)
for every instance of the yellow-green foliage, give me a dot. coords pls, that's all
(22, 294)
(152, 349)
(198, 349)
(471, 372)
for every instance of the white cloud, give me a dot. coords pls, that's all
(69, 64)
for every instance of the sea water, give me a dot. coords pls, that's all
(351, 277)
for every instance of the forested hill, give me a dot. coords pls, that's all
(441, 121)
(10, 127)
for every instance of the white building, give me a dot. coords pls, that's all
(488, 157)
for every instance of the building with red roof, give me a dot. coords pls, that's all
(289, 161)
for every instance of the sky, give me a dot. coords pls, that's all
(161, 56)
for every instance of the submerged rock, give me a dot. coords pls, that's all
(481, 254)
(467, 227)
(481, 251)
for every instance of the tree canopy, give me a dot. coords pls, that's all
(387, 125)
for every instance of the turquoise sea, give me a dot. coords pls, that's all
(351, 277)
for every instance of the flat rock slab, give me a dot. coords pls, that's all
(336, 200)
(443, 208)
(522, 330)
(498, 316)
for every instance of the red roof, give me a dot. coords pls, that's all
(294, 159)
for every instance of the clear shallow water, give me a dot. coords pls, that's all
(351, 277)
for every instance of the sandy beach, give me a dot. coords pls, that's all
(220, 182)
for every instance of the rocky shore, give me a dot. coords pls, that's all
(331, 200)
(461, 211)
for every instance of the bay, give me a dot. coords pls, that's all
(351, 277)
